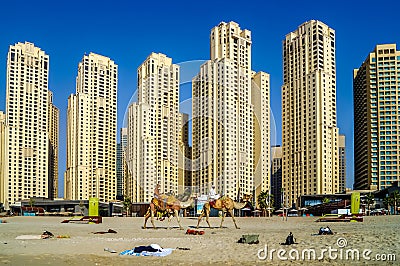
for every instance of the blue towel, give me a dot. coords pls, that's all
(162, 253)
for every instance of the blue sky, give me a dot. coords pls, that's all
(128, 32)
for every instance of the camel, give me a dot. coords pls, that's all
(224, 204)
(172, 208)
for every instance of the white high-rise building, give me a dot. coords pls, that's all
(309, 133)
(92, 131)
(29, 124)
(223, 117)
(153, 130)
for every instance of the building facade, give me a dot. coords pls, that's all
(121, 165)
(92, 131)
(31, 126)
(223, 116)
(184, 155)
(153, 130)
(342, 163)
(309, 132)
(376, 126)
(276, 176)
(2, 156)
(261, 131)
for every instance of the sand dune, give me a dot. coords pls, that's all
(217, 246)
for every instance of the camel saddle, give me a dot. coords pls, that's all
(164, 201)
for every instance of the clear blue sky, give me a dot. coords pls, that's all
(128, 32)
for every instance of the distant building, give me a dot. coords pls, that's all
(30, 161)
(92, 131)
(276, 176)
(184, 155)
(121, 163)
(153, 130)
(376, 124)
(309, 131)
(342, 163)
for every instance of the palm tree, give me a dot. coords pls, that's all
(325, 200)
(388, 201)
(31, 202)
(369, 199)
(265, 201)
(396, 200)
(127, 204)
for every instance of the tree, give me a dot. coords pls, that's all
(265, 201)
(388, 201)
(127, 204)
(369, 199)
(31, 202)
(325, 200)
(396, 200)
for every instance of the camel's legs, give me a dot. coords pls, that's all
(169, 220)
(223, 217)
(233, 218)
(177, 218)
(146, 217)
(199, 219)
(152, 219)
(208, 216)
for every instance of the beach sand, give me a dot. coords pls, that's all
(217, 246)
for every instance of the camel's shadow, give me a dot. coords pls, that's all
(206, 227)
(162, 227)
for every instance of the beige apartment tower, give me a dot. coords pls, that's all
(376, 119)
(92, 131)
(153, 130)
(31, 127)
(309, 132)
(224, 115)
(2, 156)
(342, 163)
(184, 156)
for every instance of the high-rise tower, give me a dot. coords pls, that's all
(153, 130)
(376, 127)
(31, 126)
(309, 132)
(92, 131)
(223, 116)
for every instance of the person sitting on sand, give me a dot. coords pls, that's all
(289, 240)
(325, 231)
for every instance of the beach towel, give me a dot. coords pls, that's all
(28, 237)
(152, 250)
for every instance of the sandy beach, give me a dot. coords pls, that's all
(217, 246)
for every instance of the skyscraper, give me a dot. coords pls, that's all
(31, 127)
(376, 126)
(2, 156)
(223, 116)
(121, 163)
(153, 130)
(342, 163)
(53, 122)
(92, 131)
(276, 176)
(184, 155)
(309, 132)
(261, 131)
